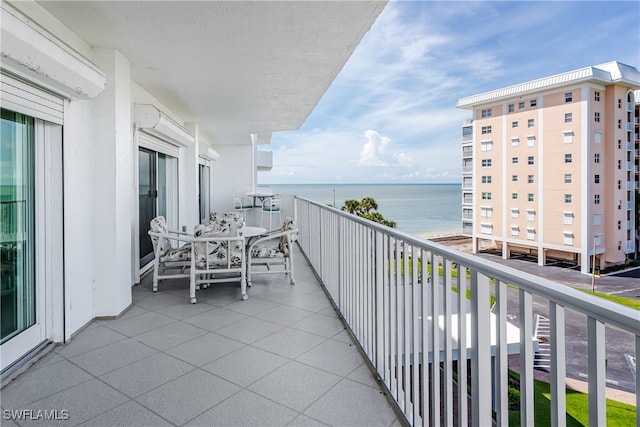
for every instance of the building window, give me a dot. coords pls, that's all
(486, 228)
(514, 196)
(596, 158)
(567, 238)
(486, 113)
(568, 117)
(619, 124)
(597, 239)
(597, 117)
(531, 233)
(514, 178)
(597, 219)
(567, 137)
(567, 218)
(533, 102)
(568, 97)
(568, 158)
(619, 103)
(530, 160)
(514, 160)
(530, 123)
(520, 104)
(515, 212)
(486, 195)
(511, 108)
(596, 179)
(619, 225)
(568, 178)
(530, 179)
(531, 215)
(597, 137)
(515, 142)
(531, 141)
(619, 164)
(486, 163)
(486, 179)
(567, 198)
(486, 130)
(619, 144)
(596, 199)
(596, 96)
(514, 124)
(486, 212)
(530, 197)
(619, 185)
(515, 230)
(486, 145)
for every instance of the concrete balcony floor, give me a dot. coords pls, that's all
(280, 358)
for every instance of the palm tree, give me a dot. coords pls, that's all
(366, 208)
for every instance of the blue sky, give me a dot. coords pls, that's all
(390, 115)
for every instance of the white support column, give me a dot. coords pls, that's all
(188, 186)
(113, 166)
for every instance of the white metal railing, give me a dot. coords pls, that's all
(390, 286)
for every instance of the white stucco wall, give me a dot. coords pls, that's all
(231, 174)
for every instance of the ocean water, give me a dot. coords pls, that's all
(418, 209)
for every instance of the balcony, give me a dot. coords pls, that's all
(287, 356)
(264, 160)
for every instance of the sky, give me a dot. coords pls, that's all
(390, 115)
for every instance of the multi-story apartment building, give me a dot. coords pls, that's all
(553, 167)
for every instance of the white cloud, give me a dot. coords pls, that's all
(373, 150)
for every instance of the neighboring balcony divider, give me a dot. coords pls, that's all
(405, 301)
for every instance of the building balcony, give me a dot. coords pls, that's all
(264, 160)
(353, 342)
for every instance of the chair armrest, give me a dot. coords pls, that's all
(173, 235)
(272, 235)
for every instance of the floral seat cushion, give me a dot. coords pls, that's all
(280, 251)
(163, 246)
(217, 252)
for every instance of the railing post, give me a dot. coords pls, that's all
(558, 366)
(597, 370)
(481, 350)
(501, 382)
(526, 359)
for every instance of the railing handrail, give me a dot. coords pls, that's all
(603, 310)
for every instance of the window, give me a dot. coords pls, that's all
(531, 233)
(567, 238)
(530, 197)
(486, 163)
(619, 225)
(515, 230)
(486, 195)
(486, 130)
(530, 179)
(486, 113)
(514, 160)
(486, 212)
(568, 178)
(597, 219)
(567, 198)
(531, 141)
(486, 145)
(514, 124)
(596, 199)
(531, 215)
(567, 218)
(530, 160)
(533, 102)
(568, 117)
(597, 137)
(515, 142)
(486, 179)
(619, 103)
(486, 228)
(619, 185)
(619, 144)
(530, 123)
(514, 178)
(520, 104)
(596, 179)
(596, 158)
(619, 164)
(597, 239)
(514, 196)
(597, 117)
(515, 212)
(511, 108)
(619, 124)
(567, 137)
(568, 97)
(596, 96)
(568, 158)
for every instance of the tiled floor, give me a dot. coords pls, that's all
(280, 358)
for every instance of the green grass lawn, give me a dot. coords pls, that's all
(618, 414)
(629, 302)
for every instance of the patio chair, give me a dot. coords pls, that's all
(271, 207)
(272, 249)
(218, 256)
(172, 252)
(242, 204)
(228, 221)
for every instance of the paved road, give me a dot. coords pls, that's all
(618, 342)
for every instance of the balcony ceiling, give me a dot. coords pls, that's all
(234, 68)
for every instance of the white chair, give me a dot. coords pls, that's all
(272, 249)
(242, 204)
(271, 207)
(172, 252)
